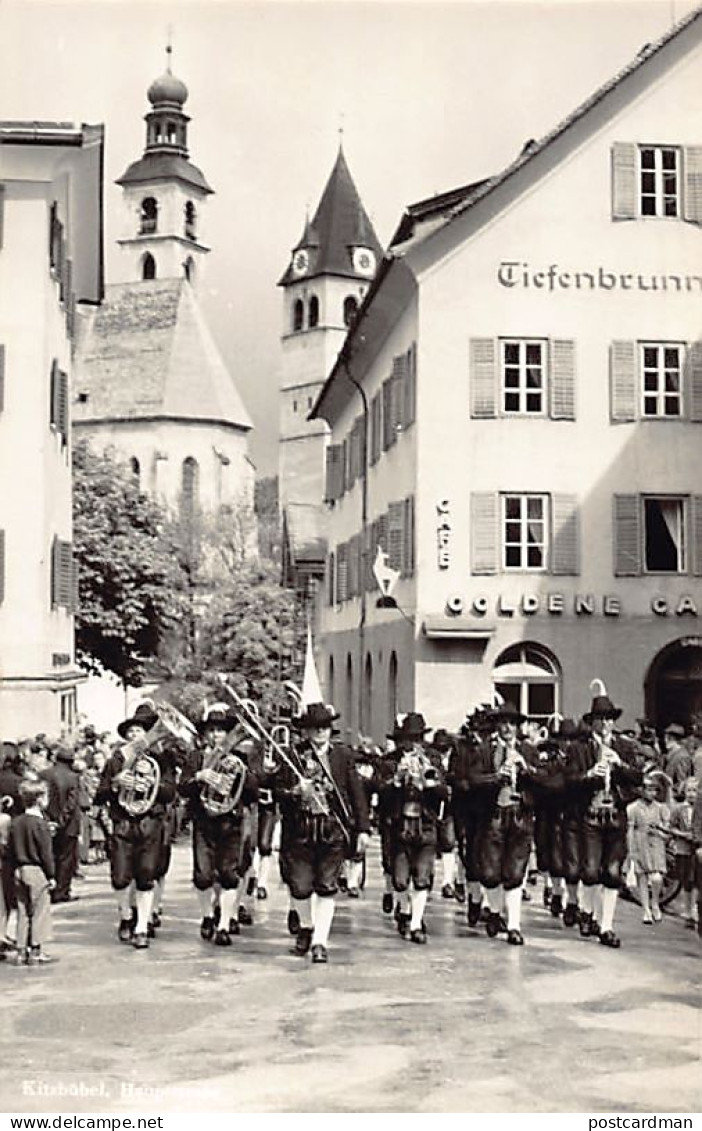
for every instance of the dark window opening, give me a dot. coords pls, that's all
(148, 269)
(190, 218)
(313, 316)
(350, 310)
(298, 314)
(664, 535)
(148, 216)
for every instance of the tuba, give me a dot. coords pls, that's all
(138, 797)
(222, 790)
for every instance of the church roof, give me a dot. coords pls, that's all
(147, 353)
(339, 224)
(164, 166)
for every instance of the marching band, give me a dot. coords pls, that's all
(503, 792)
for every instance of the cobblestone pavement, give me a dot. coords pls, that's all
(464, 1024)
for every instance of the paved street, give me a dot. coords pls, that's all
(465, 1024)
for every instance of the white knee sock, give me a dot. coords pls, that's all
(404, 898)
(246, 900)
(227, 907)
(304, 910)
(144, 904)
(159, 888)
(323, 915)
(418, 901)
(448, 863)
(387, 880)
(572, 890)
(558, 885)
(609, 904)
(124, 903)
(513, 903)
(495, 898)
(206, 901)
(354, 874)
(256, 863)
(474, 891)
(460, 872)
(587, 895)
(264, 867)
(597, 903)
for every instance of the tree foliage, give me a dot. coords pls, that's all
(131, 584)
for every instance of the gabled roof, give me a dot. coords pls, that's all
(531, 152)
(147, 353)
(164, 166)
(339, 224)
(439, 206)
(303, 525)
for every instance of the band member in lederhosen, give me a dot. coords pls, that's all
(218, 786)
(504, 773)
(603, 779)
(467, 802)
(137, 783)
(264, 766)
(321, 809)
(414, 798)
(440, 751)
(549, 799)
(384, 772)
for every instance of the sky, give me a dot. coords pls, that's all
(429, 96)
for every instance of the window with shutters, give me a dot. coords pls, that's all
(525, 522)
(342, 572)
(389, 434)
(375, 428)
(58, 394)
(523, 367)
(664, 534)
(396, 535)
(410, 406)
(62, 575)
(661, 379)
(408, 528)
(659, 180)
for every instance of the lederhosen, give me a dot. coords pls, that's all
(445, 828)
(135, 845)
(549, 797)
(266, 810)
(384, 772)
(465, 805)
(506, 824)
(603, 822)
(314, 845)
(218, 840)
(414, 817)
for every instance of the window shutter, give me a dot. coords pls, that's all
(693, 183)
(624, 196)
(396, 523)
(54, 394)
(562, 385)
(411, 386)
(332, 464)
(369, 557)
(2, 377)
(2, 566)
(342, 572)
(376, 420)
(484, 548)
(2, 212)
(54, 572)
(381, 538)
(353, 453)
(408, 556)
(623, 381)
(565, 525)
(362, 446)
(62, 406)
(399, 372)
(694, 380)
(627, 536)
(75, 584)
(389, 434)
(346, 465)
(696, 535)
(351, 586)
(483, 378)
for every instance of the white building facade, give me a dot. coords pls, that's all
(532, 362)
(50, 259)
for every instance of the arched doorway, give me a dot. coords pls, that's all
(392, 691)
(673, 687)
(367, 702)
(528, 676)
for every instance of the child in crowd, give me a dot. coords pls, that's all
(646, 833)
(33, 863)
(681, 827)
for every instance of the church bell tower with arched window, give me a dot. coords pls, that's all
(164, 194)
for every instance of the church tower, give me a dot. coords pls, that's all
(163, 194)
(330, 270)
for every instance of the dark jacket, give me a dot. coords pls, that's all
(30, 843)
(582, 789)
(9, 787)
(63, 807)
(107, 792)
(486, 781)
(432, 799)
(346, 779)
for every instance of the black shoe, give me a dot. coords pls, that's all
(234, 928)
(461, 893)
(532, 877)
(245, 916)
(526, 896)
(396, 910)
(293, 921)
(207, 928)
(448, 892)
(216, 914)
(548, 895)
(352, 893)
(125, 930)
(403, 922)
(485, 913)
(302, 942)
(502, 924)
(151, 931)
(515, 938)
(585, 924)
(251, 885)
(492, 926)
(570, 915)
(140, 941)
(608, 938)
(222, 939)
(418, 937)
(556, 906)
(319, 954)
(595, 927)
(474, 908)
(343, 883)
(261, 893)
(156, 919)
(388, 903)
